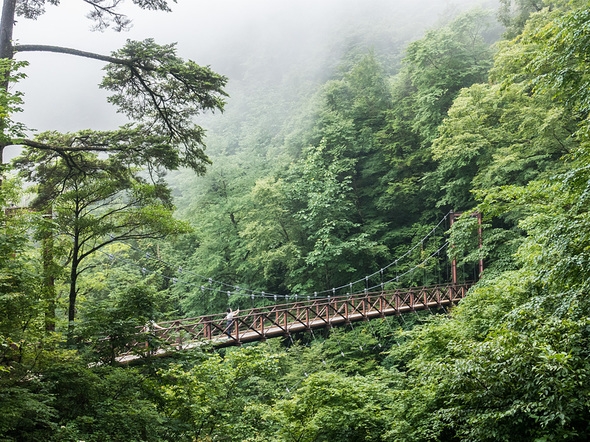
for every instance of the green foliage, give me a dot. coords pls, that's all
(94, 201)
(304, 220)
(163, 93)
(515, 385)
(496, 136)
(228, 243)
(10, 101)
(353, 352)
(331, 406)
(513, 14)
(18, 279)
(103, 403)
(325, 194)
(208, 399)
(23, 305)
(435, 70)
(511, 363)
(442, 63)
(25, 415)
(111, 327)
(560, 66)
(270, 233)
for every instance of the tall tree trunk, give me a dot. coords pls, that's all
(7, 52)
(73, 291)
(48, 271)
(6, 27)
(73, 288)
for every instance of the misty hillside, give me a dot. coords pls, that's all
(276, 69)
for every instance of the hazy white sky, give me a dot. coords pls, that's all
(61, 91)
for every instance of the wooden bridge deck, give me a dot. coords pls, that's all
(261, 323)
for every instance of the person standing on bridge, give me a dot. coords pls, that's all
(229, 318)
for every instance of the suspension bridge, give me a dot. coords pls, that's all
(259, 324)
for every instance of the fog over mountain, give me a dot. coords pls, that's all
(255, 43)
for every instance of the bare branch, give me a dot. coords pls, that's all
(69, 51)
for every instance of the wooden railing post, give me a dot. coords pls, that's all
(346, 310)
(208, 329)
(285, 320)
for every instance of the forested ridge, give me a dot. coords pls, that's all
(306, 186)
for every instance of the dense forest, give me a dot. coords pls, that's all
(316, 176)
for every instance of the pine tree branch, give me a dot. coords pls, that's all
(60, 149)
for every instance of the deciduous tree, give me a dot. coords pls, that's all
(95, 202)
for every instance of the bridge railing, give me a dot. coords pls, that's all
(280, 320)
